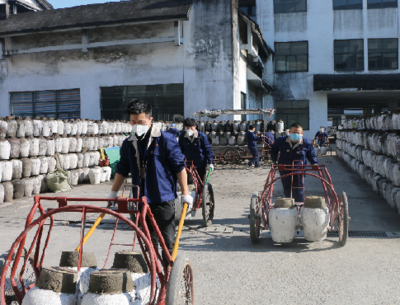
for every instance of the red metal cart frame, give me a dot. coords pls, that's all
(151, 255)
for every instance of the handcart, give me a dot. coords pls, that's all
(234, 155)
(203, 195)
(262, 203)
(170, 284)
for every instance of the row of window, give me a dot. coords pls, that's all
(348, 55)
(295, 6)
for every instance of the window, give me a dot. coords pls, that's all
(63, 104)
(349, 55)
(291, 56)
(167, 101)
(347, 4)
(293, 112)
(382, 54)
(381, 3)
(248, 7)
(290, 6)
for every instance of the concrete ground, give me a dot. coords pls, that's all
(230, 270)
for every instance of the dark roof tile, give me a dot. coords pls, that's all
(96, 14)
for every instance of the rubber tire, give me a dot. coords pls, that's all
(346, 219)
(173, 286)
(208, 188)
(253, 230)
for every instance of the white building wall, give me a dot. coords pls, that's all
(203, 63)
(320, 26)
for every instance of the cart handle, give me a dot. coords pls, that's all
(178, 235)
(208, 175)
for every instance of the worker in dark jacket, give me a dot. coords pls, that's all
(293, 148)
(155, 161)
(196, 148)
(173, 130)
(321, 137)
(252, 140)
(269, 138)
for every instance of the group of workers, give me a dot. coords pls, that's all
(156, 161)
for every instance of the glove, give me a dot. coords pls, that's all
(209, 166)
(187, 199)
(113, 195)
(274, 162)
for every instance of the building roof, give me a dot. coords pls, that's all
(356, 82)
(95, 15)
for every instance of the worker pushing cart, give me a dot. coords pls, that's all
(155, 161)
(252, 140)
(293, 148)
(196, 148)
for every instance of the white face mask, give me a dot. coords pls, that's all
(322, 130)
(189, 132)
(140, 129)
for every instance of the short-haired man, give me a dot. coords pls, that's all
(156, 163)
(293, 148)
(195, 146)
(173, 130)
(252, 140)
(321, 137)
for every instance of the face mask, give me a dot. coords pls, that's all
(140, 129)
(295, 137)
(189, 132)
(321, 130)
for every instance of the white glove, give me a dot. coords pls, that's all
(113, 195)
(187, 199)
(209, 166)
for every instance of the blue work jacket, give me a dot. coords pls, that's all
(197, 150)
(174, 132)
(164, 161)
(289, 152)
(269, 138)
(322, 137)
(252, 139)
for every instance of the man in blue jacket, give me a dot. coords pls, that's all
(252, 140)
(293, 148)
(196, 148)
(155, 162)
(321, 137)
(173, 130)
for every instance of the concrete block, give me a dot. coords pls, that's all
(133, 261)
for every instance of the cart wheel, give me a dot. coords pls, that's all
(180, 288)
(254, 221)
(208, 204)
(232, 156)
(343, 220)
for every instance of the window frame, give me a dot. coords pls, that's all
(292, 71)
(348, 53)
(382, 52)
(371, 8)
(57, 101)
(347, 9)
(291, 101)
(157, 109)
(290, 12)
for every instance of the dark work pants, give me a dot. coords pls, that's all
(256, 159)
(297, 194)
(164, 215)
